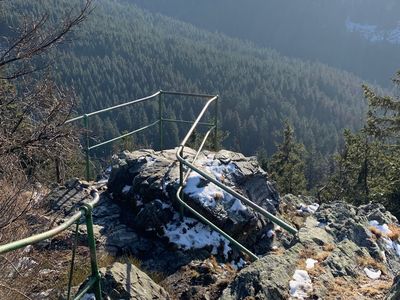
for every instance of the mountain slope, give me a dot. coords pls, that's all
(308, 29)
(123, 52)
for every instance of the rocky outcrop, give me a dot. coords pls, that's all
(147, 181)
(342, 251)
(113, 233)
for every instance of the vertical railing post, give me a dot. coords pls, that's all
(71, 270)
(92, 247)
(181, 183)
(160, 124)
(216, 125)
(87, 149)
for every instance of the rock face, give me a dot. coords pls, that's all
(342, 251)
(147, 182)
(125, 281)
(113, 235)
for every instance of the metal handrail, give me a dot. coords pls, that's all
(192, 167)
(87, 208)
(159, 122)
(86, 212)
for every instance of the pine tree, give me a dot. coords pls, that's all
(287, 164)
(368, 166)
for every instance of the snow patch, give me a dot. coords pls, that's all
(270, 233)
(310, 263)
(372, 273)
(237, 206)
(311, 208)
(208, 193)
(382, 228)
(238, 265)
(28, 249)
(301, 285)
(126, 189)
(191, 234)
(88, 297)
(391, 245)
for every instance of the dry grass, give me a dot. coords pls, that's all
(316, 271)
(322, 256)
(278, 251)
(395, 232)
(218, 196)
(289, 213)
(308, 253)
(377, 288)
(340, 289)
(377, 233)
(367, 261)
(328, 247)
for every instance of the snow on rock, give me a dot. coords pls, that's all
(208, 193)
(310, 263)
(192, 234)
(301, 285)
(28, 249)
(392, 245)
(88, 297)
(311, 208)
(126, 189)
(372, 273)
(26, 263)
(384, 228)
(238, 265)
(237, 206)
(270, 233)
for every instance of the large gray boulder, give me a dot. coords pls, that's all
(147, 181)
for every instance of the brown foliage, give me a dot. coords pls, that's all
(33, 112)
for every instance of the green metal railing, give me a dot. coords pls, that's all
(191, 167)
(161, 120)
(86, 212)
(86, 209)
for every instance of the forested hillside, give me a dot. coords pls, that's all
(349, 34)
(122, 52)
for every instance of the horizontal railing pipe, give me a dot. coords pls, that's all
(114, 107)
(124, 135)
(47, 234)
(124, 104)
(187, 122)
(187, 94)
